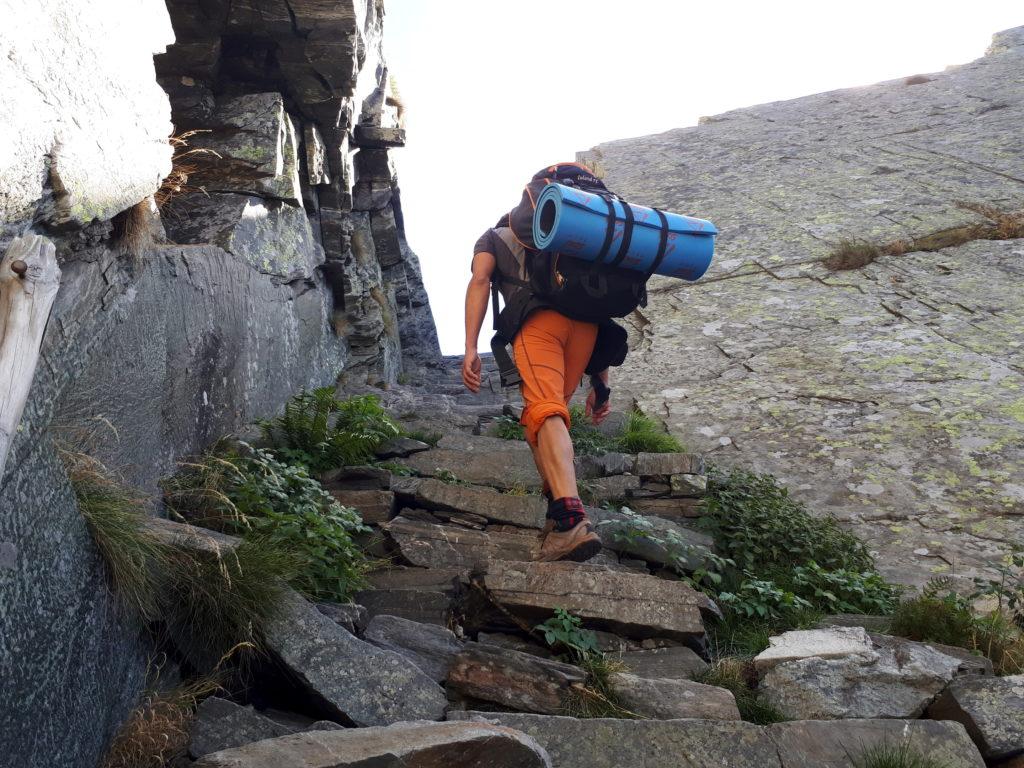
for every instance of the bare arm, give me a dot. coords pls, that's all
(477, 293)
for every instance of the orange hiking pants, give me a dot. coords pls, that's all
(551, 353)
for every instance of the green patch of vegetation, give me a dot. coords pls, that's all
(116, 516)
(738, 677)
(940, 615)
(213, 600)
(640, 434)
(396, 468)
(761, 532)
(564, 632)
(508, 428)
(321, 432)
(902, 755)
(447, 476)
(247, 492)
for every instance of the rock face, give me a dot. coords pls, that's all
(835, 381)
(356, 681)
(853, 677)
(992, 710)
(431, 648)
(466, 745)
(668, 699)
(599, 743)
(95, 106)
(270, 283)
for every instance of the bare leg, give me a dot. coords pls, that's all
(554, 458)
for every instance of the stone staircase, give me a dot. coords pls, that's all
(446, 629)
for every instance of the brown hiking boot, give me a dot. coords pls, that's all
(579, 543)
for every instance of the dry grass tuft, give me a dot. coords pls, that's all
(157, 730)
(1000, 225)
(131, 228)
(184, 162)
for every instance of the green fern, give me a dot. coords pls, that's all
(322, 433)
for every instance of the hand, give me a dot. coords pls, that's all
(471, 371)
(597, 416)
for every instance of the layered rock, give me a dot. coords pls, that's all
(888, 395)
(992, 711)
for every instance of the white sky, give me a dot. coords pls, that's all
(495, 90)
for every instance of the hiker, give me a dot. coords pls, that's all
(552, 352)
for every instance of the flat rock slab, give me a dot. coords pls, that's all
(524, 511)
(450, 546)
(889, 681)
(356, 681)
(505, 469)
(990, 708)
(832, 643)
(221, 724)
(607, 743)
(404, 745)
(513, 679)
(400, 447)
(679, 663)
(429, 647)
(832, 744)
(633, 604)
(673, 699)
(664, 465)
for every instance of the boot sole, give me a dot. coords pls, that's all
(584, 551)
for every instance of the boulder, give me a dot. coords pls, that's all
(442, 546)
(350, 616)
(427, 595)
(376, 137)
(679, 663)
(990, 708)
(513, 679)
(222, 724)
(612, 488)
(524, 511)
(835, 744)
(688, 485)
(355, 681)
(400, 447)
(970, 663)
(607, 743)
(660, 541)
(374, 507)
(415, 745)
(514, 643)
(670, 509)
(428, 646)
(632, 604)
(673, 699)
(889, 681)
(365, 478)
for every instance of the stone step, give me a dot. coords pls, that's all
(631, 604)
(428, 545)
(607, 743)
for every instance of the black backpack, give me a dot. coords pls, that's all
(530, 279)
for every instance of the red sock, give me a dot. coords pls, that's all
(566, 513)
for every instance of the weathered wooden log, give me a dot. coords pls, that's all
(29, 279)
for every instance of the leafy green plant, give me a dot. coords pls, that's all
(248, 492)
(321, 432)
(596, 697)
(737, 676)
(395, 468)
(508, 428)
(566, 631)
(762, 599)
(1008, 588)
(998, 637)
(902, 755)
(844, 591)
(447, 476)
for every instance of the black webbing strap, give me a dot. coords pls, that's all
(627, 234)
(507, 371)
(609, 232)
(494, 303)
(662, 244)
